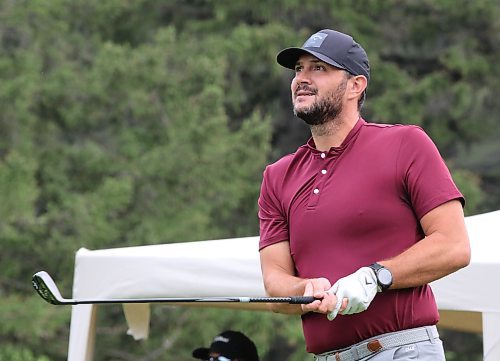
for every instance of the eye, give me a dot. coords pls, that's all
(319, 67)
(298, 68)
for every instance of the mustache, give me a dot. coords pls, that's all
(306, 88)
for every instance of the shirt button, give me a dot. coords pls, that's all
(316, 191)
(323, 155)
(323, 171)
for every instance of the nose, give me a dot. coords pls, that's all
(302, 77)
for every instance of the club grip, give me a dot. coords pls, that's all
(301, 300)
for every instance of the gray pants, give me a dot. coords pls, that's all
(420, 351)
(421, 343)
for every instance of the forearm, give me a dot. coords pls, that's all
(427, 261)
(284, 285)
(278, 273)
(444, 250)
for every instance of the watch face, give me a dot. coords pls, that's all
(384, 276)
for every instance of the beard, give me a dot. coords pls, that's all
(325, 109)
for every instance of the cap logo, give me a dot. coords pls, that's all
(315, 40)
(221, 339)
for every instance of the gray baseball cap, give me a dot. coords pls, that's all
(332, 47)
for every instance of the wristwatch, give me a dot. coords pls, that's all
(384, 275)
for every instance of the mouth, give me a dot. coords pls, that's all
(302, 93)
(303, 97)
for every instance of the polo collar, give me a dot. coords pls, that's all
(353, 133)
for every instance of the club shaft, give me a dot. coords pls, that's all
(290, 300)
(48, 290)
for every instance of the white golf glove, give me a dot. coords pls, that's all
(359, 288)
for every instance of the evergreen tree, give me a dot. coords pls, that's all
(145, 122)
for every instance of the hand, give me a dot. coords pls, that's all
(317, 287)
(359, 288)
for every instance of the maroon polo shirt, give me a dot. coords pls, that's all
(349, 207)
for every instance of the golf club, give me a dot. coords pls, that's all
(47, 289)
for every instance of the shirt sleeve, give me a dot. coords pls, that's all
(427, 179)
(272, 220)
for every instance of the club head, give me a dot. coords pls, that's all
(47, 289)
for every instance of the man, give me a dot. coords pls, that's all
(228, 346)
(362, 217)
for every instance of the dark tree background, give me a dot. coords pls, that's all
(139, 122)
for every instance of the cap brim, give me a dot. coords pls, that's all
(201, 353)
(288, 57)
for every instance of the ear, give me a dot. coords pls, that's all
(358, 85)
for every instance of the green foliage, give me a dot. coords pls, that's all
(141, 122)
(17, 187)
(450, 73)
(462, 346)
(470, 186)
(14, 353)
(28, 328)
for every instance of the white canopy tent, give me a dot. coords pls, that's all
(230, 267)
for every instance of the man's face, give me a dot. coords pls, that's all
(318, 90)
(215, 356)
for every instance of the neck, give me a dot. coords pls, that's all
(332, 133)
